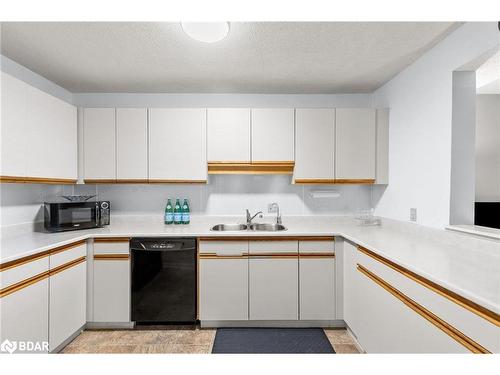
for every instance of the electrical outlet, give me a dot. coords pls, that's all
(272, 208)
(413, 214)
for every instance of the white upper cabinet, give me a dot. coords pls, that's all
(355, 144)
(382, 170)
(314, 144)
(13, 126)
(51, 137)
(177, 144)
(228, 133)
(131, 144)
(39, 133)
(273, 134)
(99, 141)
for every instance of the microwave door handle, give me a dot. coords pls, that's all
(97, 215)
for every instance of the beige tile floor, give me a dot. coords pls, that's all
(183, 341)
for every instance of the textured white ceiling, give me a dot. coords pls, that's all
(256, 57)
(488, 76)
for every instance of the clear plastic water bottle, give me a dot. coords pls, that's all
(177, 212)
(186, 215)
(169, 212)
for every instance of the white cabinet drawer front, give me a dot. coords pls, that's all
(271, 247)
(228, 134)
(111, 291)
(227, 248)
(67, 255)
(320, 247)
(273, 134)
(475, 327)
(223, 289)
(273, 289)
(67, 303)
(317, 289)
(111, 247)
(24, 315)
(17, 274)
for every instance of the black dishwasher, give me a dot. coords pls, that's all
(163, 280)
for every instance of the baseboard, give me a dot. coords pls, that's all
(355, 340)
(110, 325)
(68, 340)
(272, 323)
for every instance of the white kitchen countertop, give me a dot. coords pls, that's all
(469, 266)
(476, 230)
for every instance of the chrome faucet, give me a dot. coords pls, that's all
(250, 217)
(278, 214)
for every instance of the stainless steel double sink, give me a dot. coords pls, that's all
(257, 227)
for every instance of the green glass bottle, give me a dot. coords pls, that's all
(177, 212)
(186, 215)
(169, 212)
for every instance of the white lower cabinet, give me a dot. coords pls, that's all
(68, 295)
(317, 280)
(377, 310)
(223, 280)
(273, 280)
(24, 315)
(111, 284)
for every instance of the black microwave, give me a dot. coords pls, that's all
(59, 217)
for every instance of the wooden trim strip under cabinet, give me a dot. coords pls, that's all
(65, 266)
(36, 180)
(177, 181)
(451, 331)
(111, 239)
(30, 258)
(473, 307)
(140, 181)
(218, 256)
(274, 255)
(331, 181)
(316, 255)
(267, 238)
(111, 256)
(260, 167)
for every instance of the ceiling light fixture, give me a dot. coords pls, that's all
(208, 32)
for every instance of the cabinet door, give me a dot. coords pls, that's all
(24, 313)
(177, 144)
(51, 136)
(223, 280)
(111, 290)
(13, 127)
(355, 144)
(68, 295)
(273, 134)
(314, 144)
(317, 280)
(350, 291)
(131, 144)
(111, 284)
(273, 280)
(228, 136)
(99, 141)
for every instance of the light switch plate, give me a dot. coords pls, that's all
(413, 214)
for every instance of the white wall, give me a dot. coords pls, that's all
(224, 195)
(420, 99)
(488, 148)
